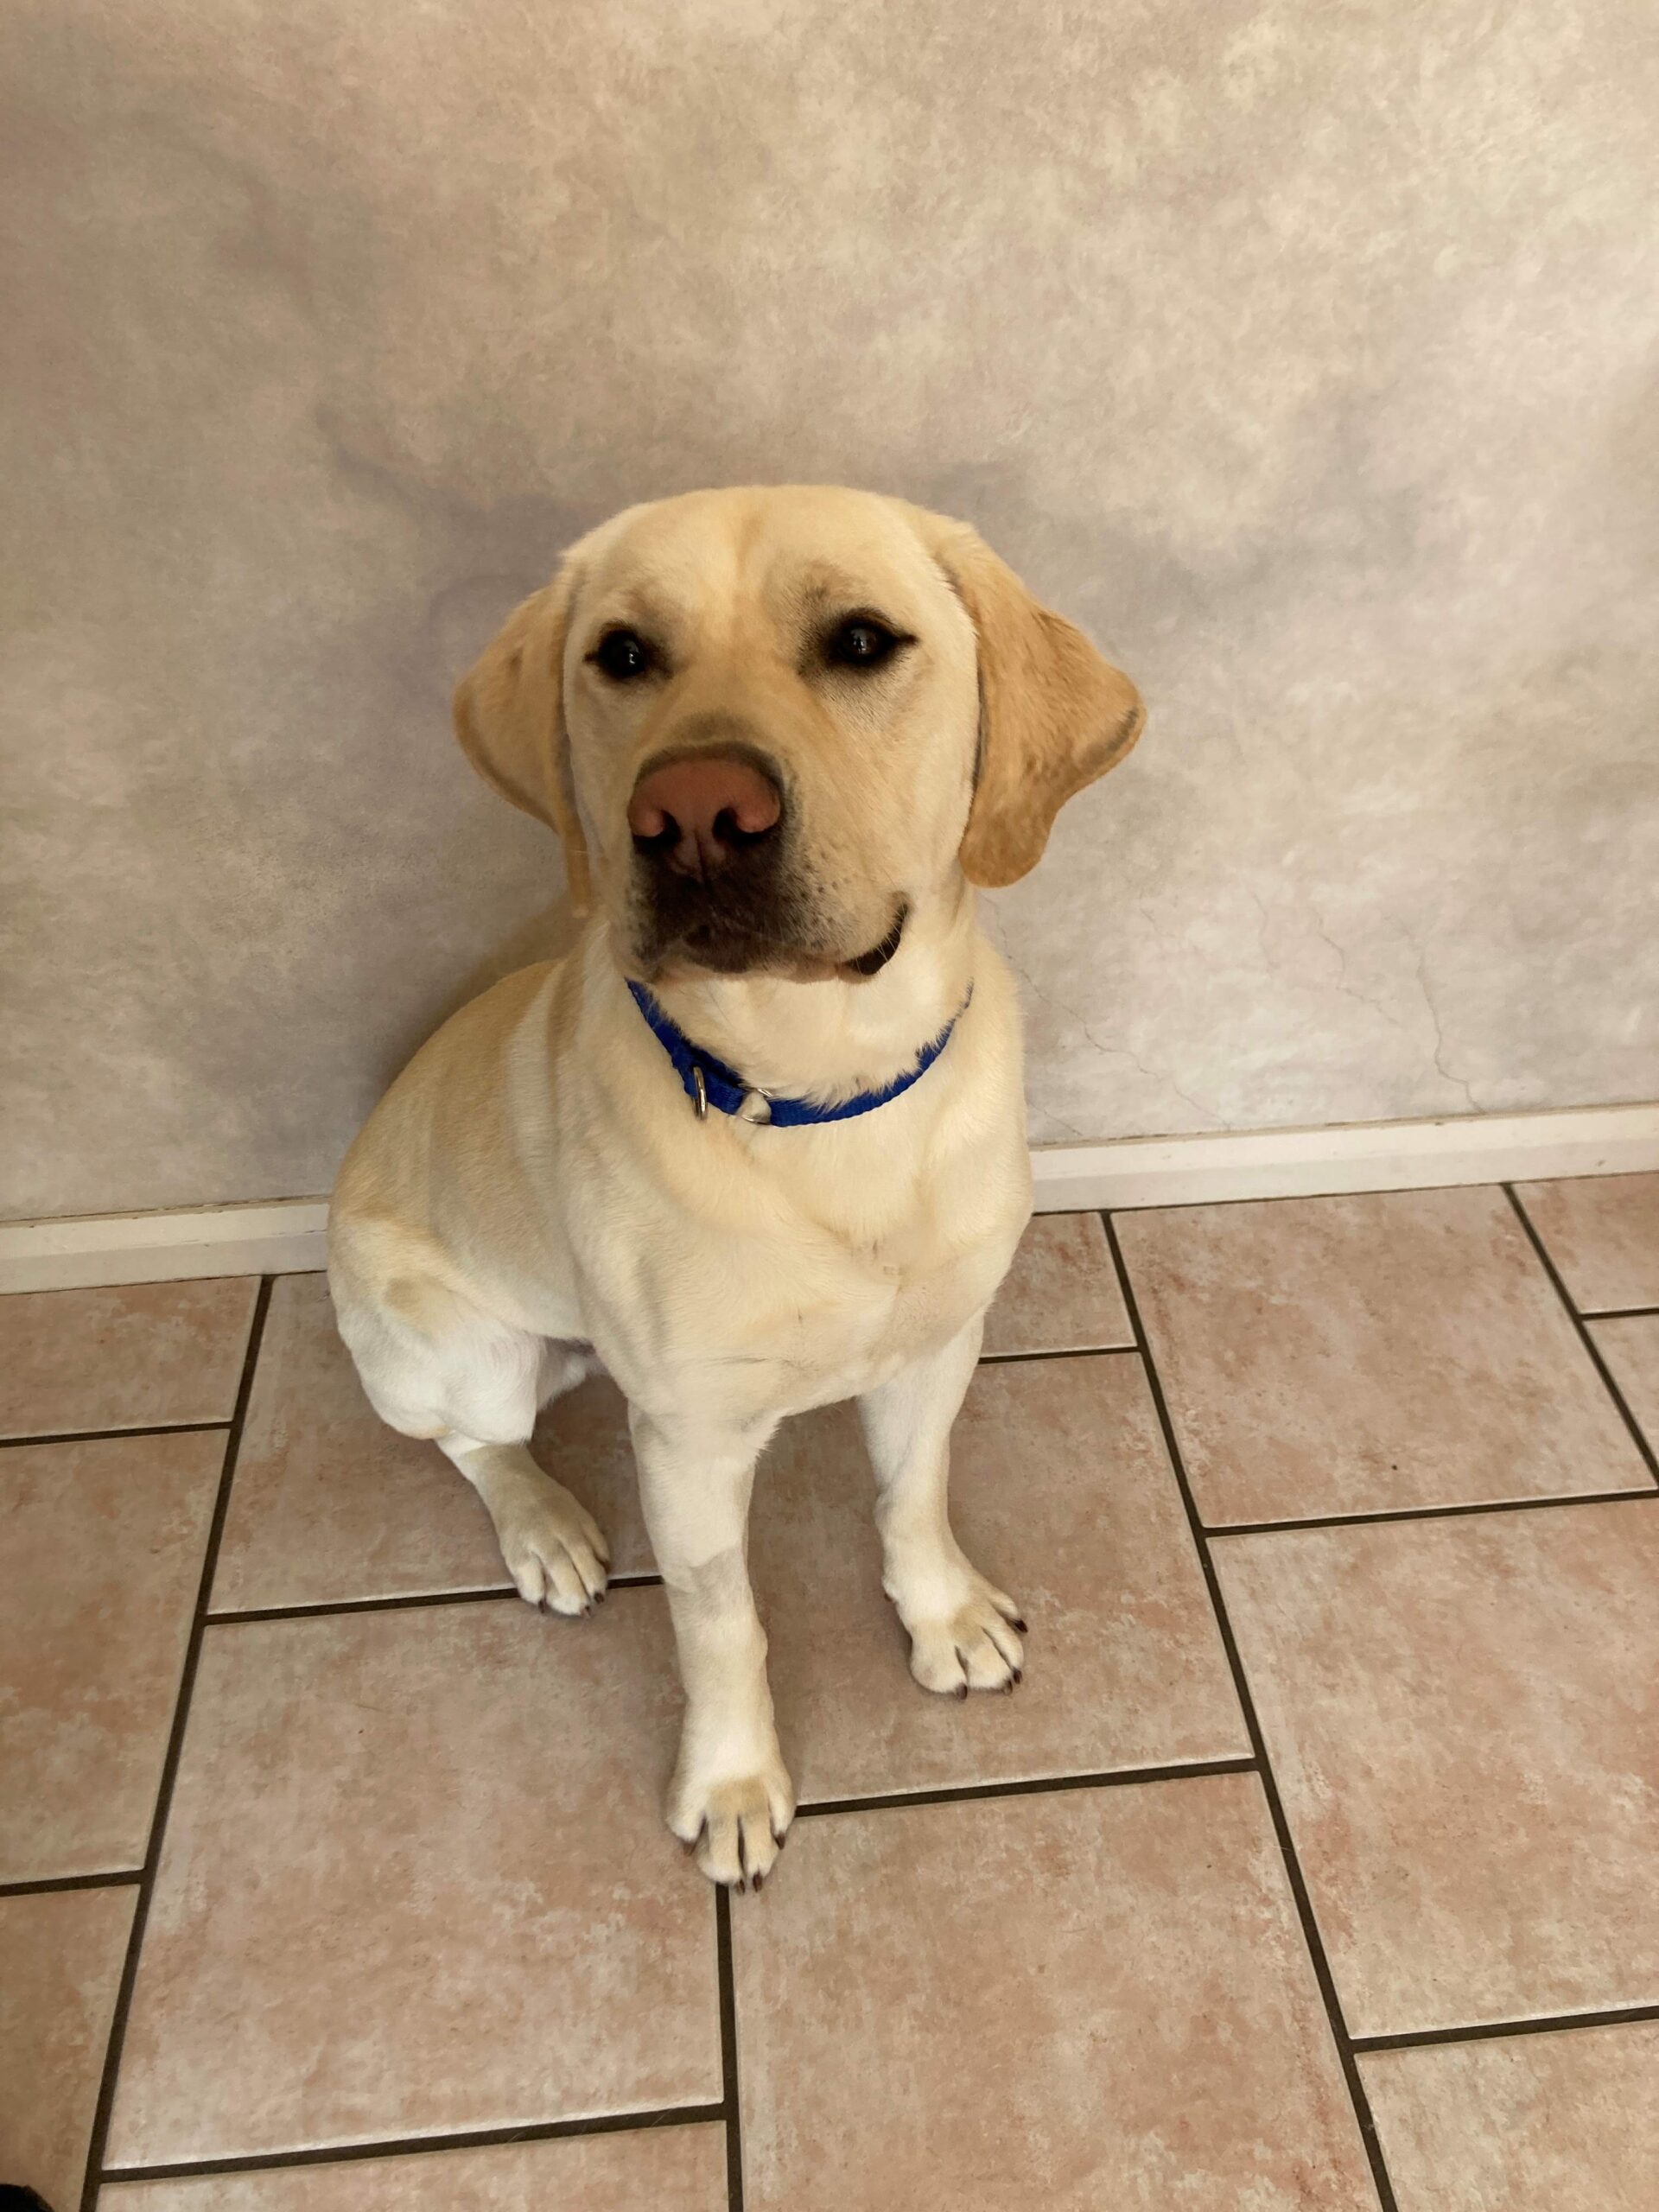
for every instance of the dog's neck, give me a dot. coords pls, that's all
(829, 1040)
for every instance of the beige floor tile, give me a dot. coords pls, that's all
(1067, 2000)
(1061, 1293)
(328, 1504)
(1060, 1491)
(135, 1356)
(1361, 1354)
(1602, 1231)
(101, 1545)
(1460, 1714)
(1537, 2123)
(415, 1881)
(1630, 1348)
(60, 1960)
(658, 2170)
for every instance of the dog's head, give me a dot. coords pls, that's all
(767, 723)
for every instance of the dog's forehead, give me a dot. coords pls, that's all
(777, 550)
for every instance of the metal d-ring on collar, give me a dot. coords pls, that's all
(755, 1106)
(708, 1082)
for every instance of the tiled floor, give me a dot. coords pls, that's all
(1315, 1864)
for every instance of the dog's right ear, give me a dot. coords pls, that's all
(509, 713)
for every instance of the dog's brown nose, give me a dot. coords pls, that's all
(695, 813)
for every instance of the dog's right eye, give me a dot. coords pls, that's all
(621, 655)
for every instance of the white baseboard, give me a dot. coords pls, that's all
(285, 1237)
(281, 1238)
(1218, 1165)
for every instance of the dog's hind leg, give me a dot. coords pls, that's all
(433, 1364)
(564, 1364)
(554, 1548)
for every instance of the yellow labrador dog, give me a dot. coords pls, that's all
(758, 1143)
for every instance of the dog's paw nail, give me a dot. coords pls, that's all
(962, 1689)
(760, 1884)
(1019, 1627)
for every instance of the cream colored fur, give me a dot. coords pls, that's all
(536, 1195)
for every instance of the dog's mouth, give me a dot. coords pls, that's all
(873, 961)
(725, 949)
(757, 921)
(721, 947)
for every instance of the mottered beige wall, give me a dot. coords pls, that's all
(1304, 352)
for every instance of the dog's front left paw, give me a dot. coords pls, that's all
(975, 1645)
(735, 1825)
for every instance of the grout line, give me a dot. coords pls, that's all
(51, 1883)
(1556, 2023)
(402, 2146)
(174, 1746)
(1585, 1336)
(97, 1436)
(1322, 1973)
(493, 1595)
(1045, 1786)
(1214, 1528)
(1063, 1351)
(729, 2105)
(1618, 1312)
(408, 1603)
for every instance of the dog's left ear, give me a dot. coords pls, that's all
(509, 711)
(1053, 713)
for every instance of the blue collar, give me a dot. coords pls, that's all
(708, 1082)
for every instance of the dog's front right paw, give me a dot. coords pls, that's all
(735, 1825)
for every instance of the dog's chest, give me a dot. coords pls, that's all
(935, 1292)
(847, 1325)
(918, 1286)
(830, 1314)
(803, 1265)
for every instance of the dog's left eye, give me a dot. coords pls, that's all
(862, 642)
